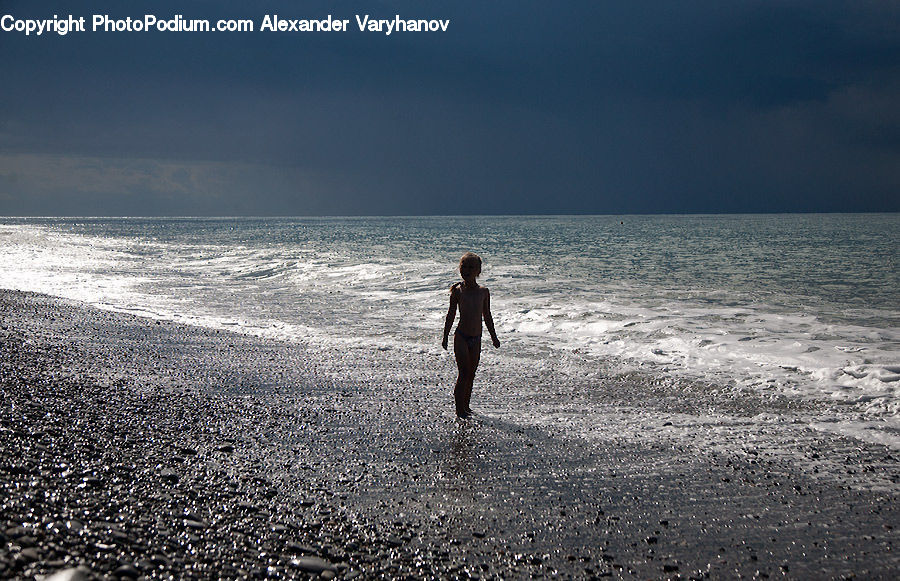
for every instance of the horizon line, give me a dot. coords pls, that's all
(361, 216)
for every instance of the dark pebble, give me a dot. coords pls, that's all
(143, 565)
(299, 549)
(27, 541)
(169, 476)
(127, 571)
(15, 532)
(92, 482)
(160, 561)
(74, 524)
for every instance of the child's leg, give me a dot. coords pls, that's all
(463, 390)
(474, 358)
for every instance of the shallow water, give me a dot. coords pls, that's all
(797, 306)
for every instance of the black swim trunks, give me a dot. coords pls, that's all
(470, 340)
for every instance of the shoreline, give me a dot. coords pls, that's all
(137, 447)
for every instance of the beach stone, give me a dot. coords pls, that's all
(313, 565)
(300, 549)
(127, 571)
(143, 565)
(92, 482)
(105, 547)
(27, 541)
(30, 555)
(70, 574)
(228, 448)
(169, 476)
(160, 561)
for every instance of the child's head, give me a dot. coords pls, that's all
(470, 262)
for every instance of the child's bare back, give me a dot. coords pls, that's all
(474, 304)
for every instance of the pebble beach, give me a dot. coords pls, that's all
(138, 448)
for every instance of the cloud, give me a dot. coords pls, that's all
(41, 184)
(51, 174)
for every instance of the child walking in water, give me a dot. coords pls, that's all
(474, 302)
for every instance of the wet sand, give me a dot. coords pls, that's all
(136, 448)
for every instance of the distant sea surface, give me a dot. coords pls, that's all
(802, 306)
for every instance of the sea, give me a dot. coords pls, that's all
(797, 306)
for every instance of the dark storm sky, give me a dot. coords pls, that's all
(521, 107)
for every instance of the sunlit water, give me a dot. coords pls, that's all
(799, 305)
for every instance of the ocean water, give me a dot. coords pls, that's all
(799, 306)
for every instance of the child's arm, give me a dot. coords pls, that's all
(488, 319)
(451, 313)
